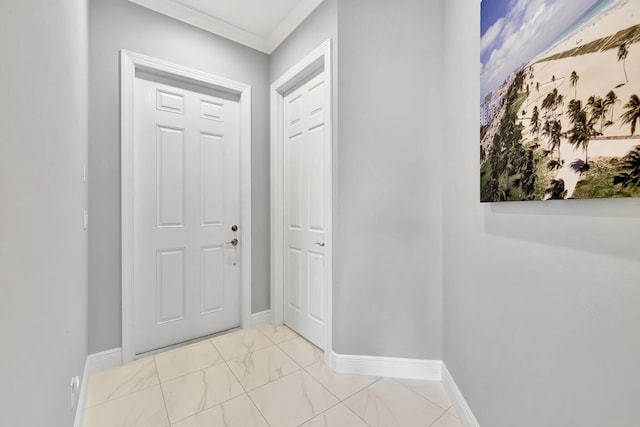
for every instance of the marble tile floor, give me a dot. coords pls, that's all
(262, 377)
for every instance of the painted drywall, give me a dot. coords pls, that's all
(540, 298)
(43, 247)
(119, 24)
(388, 235)
(321, 25)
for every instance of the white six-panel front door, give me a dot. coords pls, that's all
(186, 200)
(304, 209)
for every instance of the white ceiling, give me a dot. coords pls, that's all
(260, 24)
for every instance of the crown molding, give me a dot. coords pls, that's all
(268, 44)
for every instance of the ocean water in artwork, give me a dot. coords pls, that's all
(559, 102)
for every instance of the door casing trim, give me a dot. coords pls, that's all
(319, 57)
(129, 63)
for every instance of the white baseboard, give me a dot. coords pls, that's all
(467, 419)
(386, 367)
(260, 318)
(433, 370)
(105, 360)
(95, 363)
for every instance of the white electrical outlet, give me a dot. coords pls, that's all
(75, 387)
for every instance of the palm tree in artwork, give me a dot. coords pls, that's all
(575, 106)
(546, 132)
(580, 134)
(632, 114)
(494, 192)
(554, 137)
(560, 102)
(573, 80)
(535, 121)
(552, 130)
(631, 167)
(549, 102)
(598, 110)
(610, 101)
(623, 51)
(556, 191)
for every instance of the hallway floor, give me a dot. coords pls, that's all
(260, 377)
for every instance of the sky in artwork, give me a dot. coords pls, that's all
(515, 31)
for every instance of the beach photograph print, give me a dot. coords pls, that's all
(559, 101)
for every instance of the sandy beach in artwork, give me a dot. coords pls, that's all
(624, 15)
(599, 73)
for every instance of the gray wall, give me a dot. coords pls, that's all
(43, 247)
(541, 298)
(321, 25)
(119, 24)
(388, 239)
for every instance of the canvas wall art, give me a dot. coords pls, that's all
(559, 102)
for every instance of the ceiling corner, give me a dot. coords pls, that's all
(292, 21)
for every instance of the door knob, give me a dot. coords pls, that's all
(233, 242)
(320, 244)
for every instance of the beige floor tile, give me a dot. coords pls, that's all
(277, 334)
(262, 366)
(302, 351)
(447, 420)
(141, 409)
(200, 389)
(292, 400)
(338, 416)
(387, 403)
(121, 381)
(184, 360)
(342, 386)
(195, 392)
(431, 390)
(237, 412)
(239, 343)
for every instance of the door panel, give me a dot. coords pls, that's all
(294, 279)
(295, 182)
(305, 210)
(212, 187)
(172, 102)
(315, 166)
(186, 198)
(170, 285)
(316, 280)
(170, 177)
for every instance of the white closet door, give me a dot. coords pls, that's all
(304, 213)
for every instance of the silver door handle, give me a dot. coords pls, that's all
(233, 242)
(320, 244)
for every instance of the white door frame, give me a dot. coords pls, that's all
(317, 59)
(129, 63)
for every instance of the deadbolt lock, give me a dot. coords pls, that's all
(234, 228)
